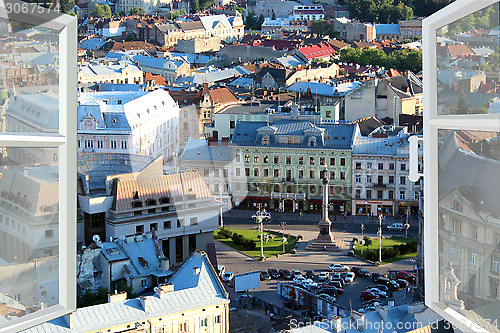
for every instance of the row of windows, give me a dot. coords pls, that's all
(216, 172)
(289, 174)
(380, 179)
(380, 166)
(390, 194)
(89, 143)
(139, 229)
(289, 160)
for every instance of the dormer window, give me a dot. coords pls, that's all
(265, 140)
(312, 142)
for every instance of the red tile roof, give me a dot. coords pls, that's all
(223, 96)
(317, 51)
(459, 49)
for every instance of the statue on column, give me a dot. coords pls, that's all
(449, 288)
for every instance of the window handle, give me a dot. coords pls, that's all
(414, 175)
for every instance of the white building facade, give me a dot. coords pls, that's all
(144, 123)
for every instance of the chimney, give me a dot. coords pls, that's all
(205, 88)
(163, 264)
(163, 289)
(225, 141)
(196, 271)
(144, 303)
(212, 142)
(117, 297)
(69, 318)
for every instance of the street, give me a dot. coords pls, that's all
(306, 226)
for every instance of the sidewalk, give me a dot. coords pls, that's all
(313, 217)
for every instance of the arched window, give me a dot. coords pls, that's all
(136, 204)
(265, 140)
(312, 141)
(456, 205)
(150, 202)
(276, 188)
(164, 200)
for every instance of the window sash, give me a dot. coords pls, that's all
(432, 123)
(66, 142)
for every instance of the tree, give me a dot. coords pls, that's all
(373, 57)
(101, 11)
(194, 6)
(64, 6)
(137, 10)
(368, 241)
(350, 55)
(323, 28)
(462, 108)
(131, 37)
(401, 12)
(174, 15)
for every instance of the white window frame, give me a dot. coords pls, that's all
(433, 123)
(66, 142)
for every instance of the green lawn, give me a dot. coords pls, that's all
(387, 242)
(271, 247)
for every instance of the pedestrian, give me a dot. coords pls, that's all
(335, 217)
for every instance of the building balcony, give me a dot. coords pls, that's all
(379, 185)
(277, 195)
(368, 185)
(390, 185)
(288, 180)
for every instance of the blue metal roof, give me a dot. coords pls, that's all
(335, 136)
(388, 29)
(199, 150)
(153, 62)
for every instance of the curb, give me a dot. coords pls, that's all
(232, 248)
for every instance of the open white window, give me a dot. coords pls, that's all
(38, 76)
(462, 164)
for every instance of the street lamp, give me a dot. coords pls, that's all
(283, 238)
(260, 221)
(362, 241)
(407, 225)
(221, 220)
(380, 217)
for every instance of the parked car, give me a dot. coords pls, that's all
(402, 283)
(359, 271)
(374, 301)
(327, 297)
(368, 295)
(274, 273)
(309, 274)
(338, 268)
(349, 277)
(393, 285)
(368, 308)
(339, 280)
(396, 227)
(375, 276)
(337, 283)
(265, 216)
(329, 291)
(309, 283)
(228, 277)
(299, 279)
(264, 276)
(296, 273)
(406, 276)
(383, 280)
(285, 274)
(323, 276)
(380, 287)
(378, 292)
(339, 289)
(335, 276)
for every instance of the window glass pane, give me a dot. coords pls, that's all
(29, 79)
(468, 64)
(29, 231)
(469, 229)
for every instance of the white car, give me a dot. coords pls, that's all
(309, 283)
(265, 216)
(323, 276)
(299, 279)
(377, 292)
(228, 277)
(349, 277)
(396, 227)
(296, 273)
(338, 268)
